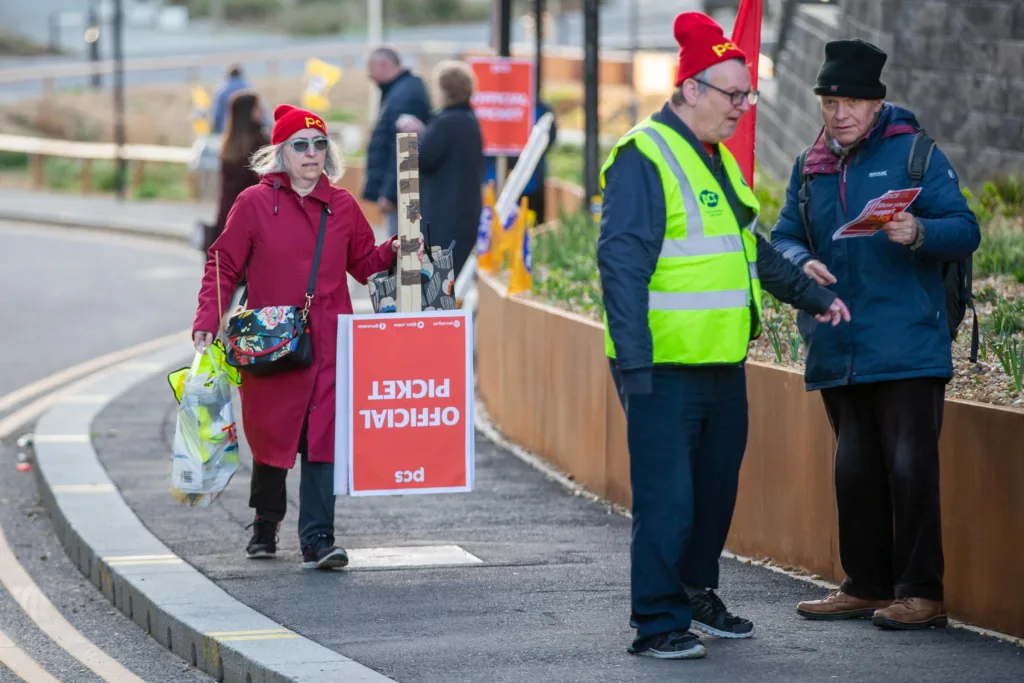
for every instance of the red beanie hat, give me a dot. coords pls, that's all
(289, 120)
(702, 43)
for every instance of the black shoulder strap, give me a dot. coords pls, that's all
(316, 262)
(316, 256)
(920, 156)
(802, 198)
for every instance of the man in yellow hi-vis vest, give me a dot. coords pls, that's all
(682, 271)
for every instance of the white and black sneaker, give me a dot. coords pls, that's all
(674, 645)
(321, 553)
(710, 616)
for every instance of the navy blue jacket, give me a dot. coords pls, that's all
(405, 95)
(894, 292)
(632, 232)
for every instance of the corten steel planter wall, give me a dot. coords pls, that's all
(544, 378)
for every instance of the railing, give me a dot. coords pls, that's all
(137, 156)
(348, 53)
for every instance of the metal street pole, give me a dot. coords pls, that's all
(121, 170)
(504, 50)
(374, 36)
(634, 39)
(590, 86)
(92, 37)
(538, 70)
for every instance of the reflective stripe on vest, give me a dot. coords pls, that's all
(695, 243)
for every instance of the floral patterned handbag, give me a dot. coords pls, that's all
(273, 339)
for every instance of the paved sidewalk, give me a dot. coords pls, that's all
(549, 602)
(170, 220)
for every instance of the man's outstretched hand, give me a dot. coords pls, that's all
(836, 312)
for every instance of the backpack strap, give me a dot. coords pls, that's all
(920, 156)
(802, 198)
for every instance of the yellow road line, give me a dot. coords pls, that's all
(63, 377)
(120, 558)
(143, 563)
(21, 664)
(51, 622)
(61, 438)
(83, 488)
(257, 634)
(13, 576)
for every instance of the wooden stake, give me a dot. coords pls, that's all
(408, 297)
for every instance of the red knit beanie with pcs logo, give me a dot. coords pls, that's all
(702, 43)
(289, 120)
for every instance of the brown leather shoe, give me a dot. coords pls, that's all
(907, 614)
(839, 605)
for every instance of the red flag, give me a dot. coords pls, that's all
(746, 33)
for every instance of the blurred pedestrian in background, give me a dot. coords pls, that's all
(401, 92)
(234, 81)
(243, 135)
(451, 163)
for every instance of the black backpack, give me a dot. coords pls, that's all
(956, 275)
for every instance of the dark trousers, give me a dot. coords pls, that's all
(686, 441)
(887, 487)
(267, 494)
(535, 201)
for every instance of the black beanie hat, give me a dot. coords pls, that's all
(852, 68)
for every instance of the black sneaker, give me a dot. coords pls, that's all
(674, 645)
(711, 617)
(263, 544)
(321, 553)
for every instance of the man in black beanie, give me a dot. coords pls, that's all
(883, 376)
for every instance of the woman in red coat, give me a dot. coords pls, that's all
(270, 239)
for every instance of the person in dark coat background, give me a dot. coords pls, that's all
(883, 377)
(243, 135)
(451, 164)
(401, 92)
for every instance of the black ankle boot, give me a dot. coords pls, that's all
(263, 543)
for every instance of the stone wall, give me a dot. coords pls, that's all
(958, 64)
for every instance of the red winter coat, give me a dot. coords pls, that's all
(270, 238)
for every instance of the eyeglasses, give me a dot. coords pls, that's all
(300, 145)
(736, 97)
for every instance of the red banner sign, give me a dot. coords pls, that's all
(405, 404)
(503, 103)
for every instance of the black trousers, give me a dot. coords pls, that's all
(686, 441)
(268, 495)
(887, 487)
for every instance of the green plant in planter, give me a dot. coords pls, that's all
(1010, 351)
(1007, 317)
(564, 264)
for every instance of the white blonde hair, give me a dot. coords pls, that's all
(270, 159)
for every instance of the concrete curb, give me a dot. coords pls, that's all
(171, 232)
(179, 607)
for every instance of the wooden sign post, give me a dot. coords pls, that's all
(408, 283)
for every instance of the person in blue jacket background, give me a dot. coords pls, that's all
(883, 376)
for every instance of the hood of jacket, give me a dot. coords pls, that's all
(825, 156)
(282, 182)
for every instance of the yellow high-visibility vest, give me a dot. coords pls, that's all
(700, 295)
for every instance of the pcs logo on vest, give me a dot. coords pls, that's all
(709, 199)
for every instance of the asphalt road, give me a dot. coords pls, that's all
(79, 295)
(72, 296)
(549, 603)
